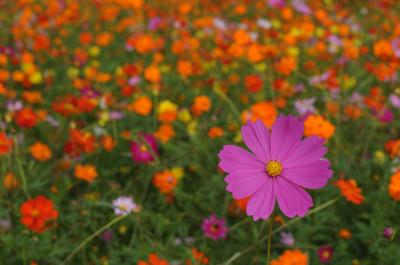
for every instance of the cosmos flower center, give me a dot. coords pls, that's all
(214, 227)
(274, 168)
(123, 207)
(143, 148)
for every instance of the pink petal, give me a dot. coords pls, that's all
(308, 150)
(256, 136)
(286, 134)
(244, 184)
(292, 199)
(262, 203)
(313, 175)
(234, 158)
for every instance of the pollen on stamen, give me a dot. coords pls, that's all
(273, 168)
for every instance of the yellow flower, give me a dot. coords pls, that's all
(276, 24)
(184, 115)
(261, 67)
(104, 118)
(177, 172)
(36, 78)
(238, 138)
(379, 157)
(94, 51)
(192, 128)
(167, 106)
(122, 229)
(319, 32)
(293, 51)
(72, 72)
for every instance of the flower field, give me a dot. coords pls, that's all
(175, 132)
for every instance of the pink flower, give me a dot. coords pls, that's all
(124, 205)
(214, 228)
(280, 166)
(140, 149)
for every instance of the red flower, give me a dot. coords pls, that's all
(6, 144)
(37, 213)
(253, 83)
(26, 118)
(325, 254)
(79, 142)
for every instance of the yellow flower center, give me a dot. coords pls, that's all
(35, 212)
(123, 207)
(274, 168)
(143, 148)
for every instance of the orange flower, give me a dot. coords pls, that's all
(383, 49)
(345, 233)
(164, 133)
(185, 68)
(108, 143)
(153, 260)
(40, 151)
(152, 74)
(201, 105)
(350, 190)
(318, 126)
(32, 97)
(165, 181)
(85, 38)
(142, 106)
(286, 65)
(198, 256)
(215, 132)
(352, 111)
(238, 206)
(26, 118)
(241, 37)
(291, 257)
(144, 44)
(393, 148)
(394, 187)
(36, 213)
(6, 144)
(104, 39)
(264, 111)
(10, 182)
(87, 173)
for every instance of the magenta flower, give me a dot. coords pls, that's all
(388, 232)
(325, 254)
(214, 228)
(280, 166)
(140, 149)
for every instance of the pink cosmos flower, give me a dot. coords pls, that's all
(214, 228)
(140, 149)
(280, 166)
(124, 205)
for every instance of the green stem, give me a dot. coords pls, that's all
(91, 237)
(269, 239)
(20, 169)
(225, 98)
(295, 220)
(273, 232)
